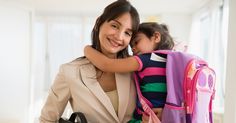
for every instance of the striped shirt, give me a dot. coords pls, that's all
(152, 80)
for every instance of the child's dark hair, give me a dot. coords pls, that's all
(149, 28)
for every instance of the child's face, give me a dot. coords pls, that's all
(142, 44)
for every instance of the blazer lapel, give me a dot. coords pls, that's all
(123, 87)
(88, 75)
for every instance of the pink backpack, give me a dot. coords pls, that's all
(190, 90)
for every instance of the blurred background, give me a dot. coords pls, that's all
(36, 36)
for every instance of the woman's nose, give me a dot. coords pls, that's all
(119, 35)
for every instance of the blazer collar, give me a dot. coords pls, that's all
(123, 87)
(88, 74)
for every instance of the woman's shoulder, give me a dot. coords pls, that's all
(78, 62)
(73, 68)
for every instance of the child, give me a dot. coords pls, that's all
(151, 36)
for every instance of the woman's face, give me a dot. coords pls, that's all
(115, 35)
(142, 44)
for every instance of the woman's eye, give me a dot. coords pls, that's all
(128, 33)
(114, 26)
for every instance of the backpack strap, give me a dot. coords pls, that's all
(145, 104)
(162, 51)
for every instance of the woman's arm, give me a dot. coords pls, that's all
(57, 99)
(111, 65)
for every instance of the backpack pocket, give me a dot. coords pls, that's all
(205, 82)
(173, 114)
(199, 91)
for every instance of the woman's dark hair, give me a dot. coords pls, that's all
(111, 12)
(149, 28)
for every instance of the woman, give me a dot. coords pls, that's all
(149, 66)
(103, 97)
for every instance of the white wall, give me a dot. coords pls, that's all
(230, 98)
(14, 63)
(179, 25)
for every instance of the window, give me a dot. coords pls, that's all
(207, 41)
(56, 40)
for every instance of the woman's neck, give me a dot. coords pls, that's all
(109, 55)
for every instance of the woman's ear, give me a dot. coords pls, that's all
(157, 37)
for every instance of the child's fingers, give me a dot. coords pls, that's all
(145, 118)
(158, 112)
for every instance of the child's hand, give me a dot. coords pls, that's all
(158, 112)
(86, 49)
(145, 118)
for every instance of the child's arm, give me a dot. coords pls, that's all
(111, 65)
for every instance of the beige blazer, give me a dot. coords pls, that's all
(76, 82)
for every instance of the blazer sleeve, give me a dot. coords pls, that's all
(58, 97)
